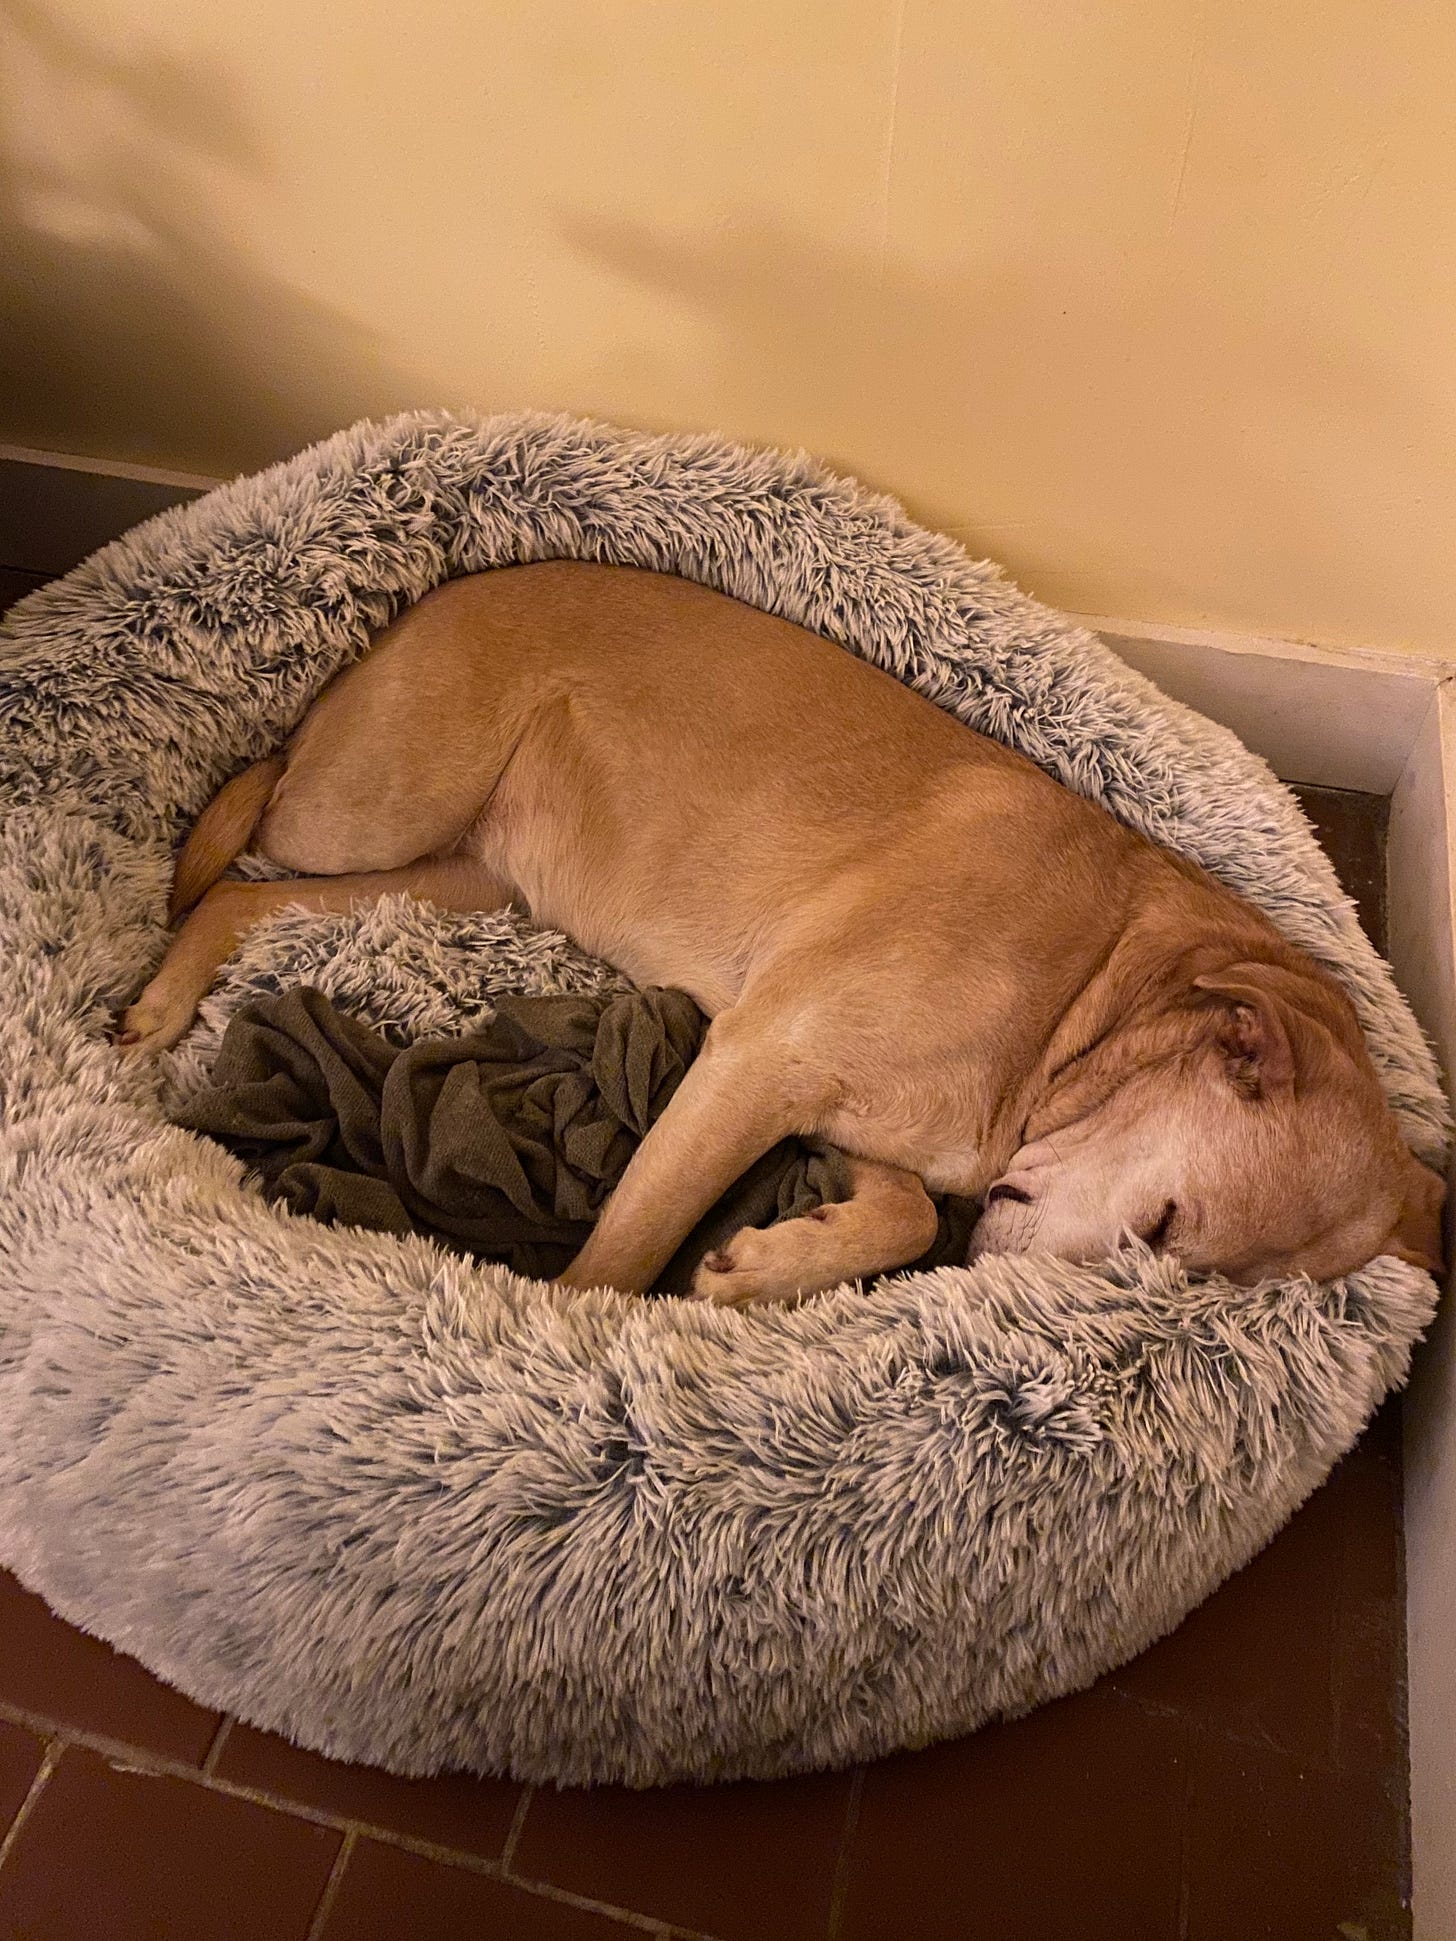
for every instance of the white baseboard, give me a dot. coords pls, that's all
(1331, 715)
(107, 468)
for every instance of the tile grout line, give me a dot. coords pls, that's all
(143, 1760)
(517, 1827)
(332, 1885)
(50, 1759)
(839, 1891)
(547, 1890)
(127, 1757)
(215, 1750)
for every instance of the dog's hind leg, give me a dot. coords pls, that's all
(402, 752)
(229, 910)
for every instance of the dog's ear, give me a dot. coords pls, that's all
(1255, 1032)
(1416, 1235)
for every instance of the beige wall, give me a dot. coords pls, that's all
(1154, 299)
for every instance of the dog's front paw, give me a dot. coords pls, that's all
(778, 1263)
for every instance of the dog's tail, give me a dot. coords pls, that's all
(222, 831)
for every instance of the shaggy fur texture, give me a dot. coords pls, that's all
(422, 1513)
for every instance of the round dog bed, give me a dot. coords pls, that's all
(415, 1511)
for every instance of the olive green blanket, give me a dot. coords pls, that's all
(503, 1144)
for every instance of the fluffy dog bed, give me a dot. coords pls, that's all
(420, 1512)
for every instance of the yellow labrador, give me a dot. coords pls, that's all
(912, 943)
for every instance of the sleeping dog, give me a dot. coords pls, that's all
(912, 943)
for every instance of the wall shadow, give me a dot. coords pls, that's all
(130, 325)
(963, 388)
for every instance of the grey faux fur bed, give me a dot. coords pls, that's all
(422, 1513)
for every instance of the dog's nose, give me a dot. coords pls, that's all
(1001, 1191)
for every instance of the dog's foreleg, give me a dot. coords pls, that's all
(229, 911)
(888, 1219)
(735, 1102)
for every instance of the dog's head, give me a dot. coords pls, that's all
(1238, 1124)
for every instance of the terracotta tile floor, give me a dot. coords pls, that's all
(1244, 1779)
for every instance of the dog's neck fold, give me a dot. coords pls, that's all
(1148, 976)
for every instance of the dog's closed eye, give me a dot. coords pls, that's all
(1001, 1191)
